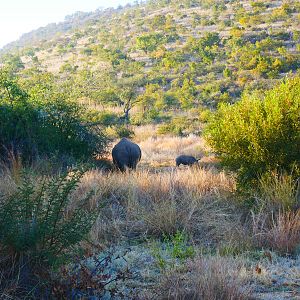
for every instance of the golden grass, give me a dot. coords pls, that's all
(207, 278)
(142, 133)
(162, 151)
(281, 234)
(10, 173)
(157, 200)
(278, 191)
(144, 203)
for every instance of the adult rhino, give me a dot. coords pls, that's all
(126, 154)
(186, 160)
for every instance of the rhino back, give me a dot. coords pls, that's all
(126, 154)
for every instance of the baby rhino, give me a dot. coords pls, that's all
(186, 160)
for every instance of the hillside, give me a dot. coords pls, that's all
(169, 56)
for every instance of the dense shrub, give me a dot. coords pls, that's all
(123, 131)
(34, 127)
(174, 128)
(257, 134)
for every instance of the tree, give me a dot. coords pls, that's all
(13, 62)
(186, 93)
(10, 89)
(207, 47)
(127, 91)
(158, 22)
(149, 42)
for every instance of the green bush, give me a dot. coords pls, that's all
(123, 131)
(149, 42)
(31, 126)
(170, 128)
(39, 222)
(41, 229)
(257, 135)
(104, 118)
(176, 250)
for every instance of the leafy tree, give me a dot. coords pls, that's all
(149, 42)
(10, 89)
(206, 47)
(127, 90)
(186, 94)
(158, 22)
(13, 62)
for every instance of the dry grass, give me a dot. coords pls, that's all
(276, 225)
(159, 200)
(207, 278)
(145, 203)
(282, 234)
(278, 191)
(142, 133)
(10, 173)
(162, 151)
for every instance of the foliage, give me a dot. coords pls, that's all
(258, 135)
(198, 57)
(173, 127)
(149, 42)
(107, 118)
(41, 229)
(175, 248)
(123, 131)
(14, 61)
(37, 221)
(206, 47)
(31, 126)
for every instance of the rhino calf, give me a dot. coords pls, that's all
(126, 154)
(186, 160)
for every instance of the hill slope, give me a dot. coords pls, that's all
(164, 57)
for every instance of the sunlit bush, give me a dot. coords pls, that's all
(259, 134)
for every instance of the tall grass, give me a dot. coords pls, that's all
(276, 215)
(152, 204)
(282, 234)
(278, 192)
(207, 278)
(155, 202)
(162, 151)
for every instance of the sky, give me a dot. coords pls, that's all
(21, 16)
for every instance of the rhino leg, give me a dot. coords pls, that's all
(122, 168)
(134, 165)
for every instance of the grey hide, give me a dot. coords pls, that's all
(126, 154)
(186, 160)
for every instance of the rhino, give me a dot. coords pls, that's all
(186, 160)
(126, 154)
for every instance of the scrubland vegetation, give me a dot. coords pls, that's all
(218, 80)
